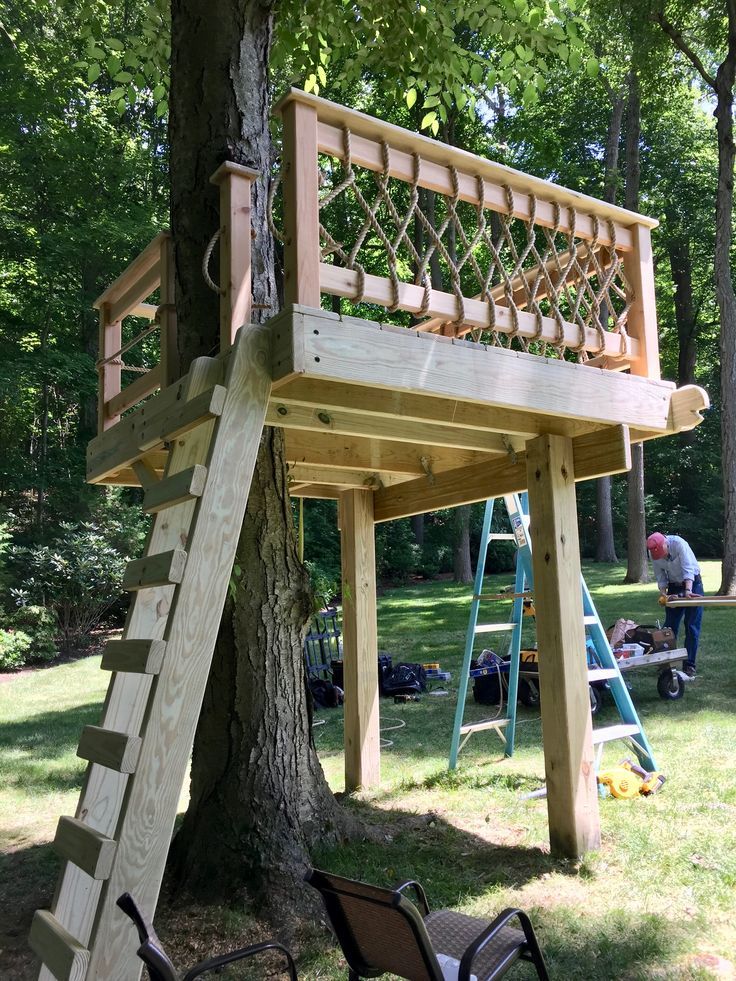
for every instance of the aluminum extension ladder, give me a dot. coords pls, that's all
(604, 668)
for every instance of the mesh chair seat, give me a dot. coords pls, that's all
(452, 933)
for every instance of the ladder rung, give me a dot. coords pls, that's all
(179, 419)
(590, 620)
(180, 487)
(489, 628)
(115, 750)
(502, 536)
(502, 596)
(488, 724)
(89, 849)
(609, 733)
(602, 674)
(134, 656)
(160, 569)
(57, 949)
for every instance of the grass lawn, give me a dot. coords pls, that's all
(657, 901)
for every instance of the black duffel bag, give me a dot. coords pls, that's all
(405, 679)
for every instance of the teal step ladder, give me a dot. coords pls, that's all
(602, 664)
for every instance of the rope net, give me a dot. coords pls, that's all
(372, 223)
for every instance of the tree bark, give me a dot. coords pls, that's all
(461, 564)
(259, 797)
(637, 565)
(605, 549)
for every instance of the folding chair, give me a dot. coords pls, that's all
(381, 931)
(160, 968)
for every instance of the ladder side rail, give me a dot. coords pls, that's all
(617, 685)
(517, 614)
(470, 634)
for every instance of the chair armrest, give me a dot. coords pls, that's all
(214, 963)
(419, 893)
(464, 971)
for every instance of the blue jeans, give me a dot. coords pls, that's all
(693, 618)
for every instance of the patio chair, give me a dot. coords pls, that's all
(160, 968)
(381, 931)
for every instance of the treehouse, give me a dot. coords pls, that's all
(453, 330)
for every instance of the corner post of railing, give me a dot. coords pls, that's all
(301, 203)
(642, 318)
(234, 181)
(166, 314)
(109, 371)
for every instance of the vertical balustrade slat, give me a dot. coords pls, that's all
(301, 205)
(109, 374)
(234, 182)
(642, 319)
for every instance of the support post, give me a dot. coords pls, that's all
(301, 205)
(360, 640)
(572, 798)
(234, 182)
(642, 318)
(111, 334)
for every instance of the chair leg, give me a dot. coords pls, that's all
(535, 952)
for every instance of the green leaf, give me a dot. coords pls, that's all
(162, 108)
(476, 73)
(93, 73)
(592, 67)
(159, 92)
(411, 98)
(322, 74)
(432, 100)
(507, 59)
(117, 93)
(429, 118)
(114, 44)
(123, 77)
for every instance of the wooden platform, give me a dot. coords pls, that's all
(424, 421)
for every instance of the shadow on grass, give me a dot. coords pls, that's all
(27, 878)
(49, 734)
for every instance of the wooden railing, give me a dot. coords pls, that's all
(554, 271)
(153, 270)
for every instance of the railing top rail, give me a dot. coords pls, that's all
(428, 149)
(146, 260)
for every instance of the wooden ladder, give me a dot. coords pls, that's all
(119, 838)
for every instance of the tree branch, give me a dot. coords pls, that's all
(680, 42)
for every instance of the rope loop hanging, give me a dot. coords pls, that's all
(206, 263)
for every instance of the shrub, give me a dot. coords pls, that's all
(40, 625)
(15, 646)
(324, 586)
(78, 577)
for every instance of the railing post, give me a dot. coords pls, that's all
(301, 205)
(109, 373)
(642, 319)
(234, 182)
(169, 345)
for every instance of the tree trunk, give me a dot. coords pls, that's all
(605, 549)
(686, 316)
(727, 309)
(461, 564)
(637, 565)
(417, 528)
(259, 797)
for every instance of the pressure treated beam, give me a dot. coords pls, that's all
(572, 793)
(304, 473)
(595, 454)
(347, 423)
(357, 453)
(327, 396)
(360, 640)
(365, 354)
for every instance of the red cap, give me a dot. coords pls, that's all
(657, 545)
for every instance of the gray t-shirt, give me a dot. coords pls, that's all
(679, 565)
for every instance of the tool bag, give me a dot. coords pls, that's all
(405, 679)
(653, 639)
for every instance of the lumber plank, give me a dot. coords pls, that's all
(61, 954)
(139, 656)
(76, 898)
(144, 830)
(572, 792)
(406, 361)
(322, 492)
(147, 432)
(146, 283)
(79, 843)
(303, 473)
(360, 640)
(115, 750)
(702, 601)
(369, 130)
(346, 423)
(133, 271)
(301, 205)
(595, 455)
(687, 406)
(234, 181)
(361, 453)
(147, 475)
(141, 388)
(180, 487)
(327, 395)
(108, 374)
(378, 289)
(158, 569)
(641, 322)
